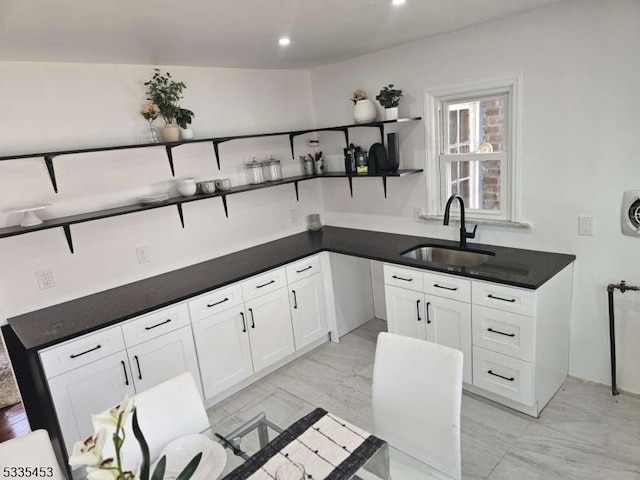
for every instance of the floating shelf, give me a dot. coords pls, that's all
(66, 222)
(216, 141)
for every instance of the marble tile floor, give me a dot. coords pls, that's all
(584, 433)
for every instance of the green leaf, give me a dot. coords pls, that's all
(158, 472)
(190, 468)
(144, 447)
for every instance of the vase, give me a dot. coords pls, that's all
(391, 113)
(186, 133)
(171, 133)
(153, 134)
(364, 111)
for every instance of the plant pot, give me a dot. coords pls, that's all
(187, 133)
(364, 111)
(171, 133)
(391, 113)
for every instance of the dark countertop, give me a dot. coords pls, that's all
(41, 328)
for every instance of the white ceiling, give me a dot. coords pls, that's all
(229, 33)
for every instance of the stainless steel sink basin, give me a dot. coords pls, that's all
(449, 256)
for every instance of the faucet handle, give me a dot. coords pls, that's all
(473, 233)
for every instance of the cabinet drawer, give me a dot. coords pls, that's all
(155, 324)
(503, 332)
(447, 286)
(81, 351)
(265, 283)
(509, 299)
(303, 268)
(503, 375)
(215, 302)
(403, 277)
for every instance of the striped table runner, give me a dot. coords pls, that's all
(327, 446)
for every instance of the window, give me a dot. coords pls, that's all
(472, 132)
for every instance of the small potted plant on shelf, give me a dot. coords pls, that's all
(166, 93)
(389, 98)
(184, 118)
(364, 110)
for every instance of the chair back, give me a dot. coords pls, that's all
(165, 412)
(417, 397)
(31, 450)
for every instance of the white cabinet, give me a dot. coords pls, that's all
(224, 353)
(308, 309)
(270, 331)
(405, 312)
(89, 389)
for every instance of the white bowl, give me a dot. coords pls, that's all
(181, 451)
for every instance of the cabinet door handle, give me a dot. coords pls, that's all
(265, 284)
(418, 309)
(304, 269)
(126, 377)
(209, 305)
(501, 333)
(510, 300)
(295, 299)
(76, 355)
(253, 320)
(402, 278)
(510, 379)
(428, 319)
(244, 324)
(138, 364)
(158, 324)
(452, 289)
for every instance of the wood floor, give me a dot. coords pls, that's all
(13, 422)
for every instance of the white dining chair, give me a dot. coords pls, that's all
(31, 450)
(417, 397)
(165, 412)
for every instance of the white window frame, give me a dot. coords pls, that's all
(509, 160)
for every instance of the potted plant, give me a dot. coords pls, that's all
(364, 110)
(184, 118)
(389, 98)
(166, 93)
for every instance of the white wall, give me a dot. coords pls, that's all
(56, 106)
(580, 143)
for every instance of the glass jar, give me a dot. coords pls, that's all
(272, 170)
(254, 173)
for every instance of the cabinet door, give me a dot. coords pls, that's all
(90, 389)
(308, 310)
(405, 312)
(162, 358)
(270, 331)
(222, 342)
(449, 323)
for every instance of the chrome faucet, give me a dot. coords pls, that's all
(463, 229)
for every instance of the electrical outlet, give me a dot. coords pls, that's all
(417, 212)
(585, 225)
(143, 254)
(45, 279)
(293, 215)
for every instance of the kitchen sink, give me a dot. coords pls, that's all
(449, 255)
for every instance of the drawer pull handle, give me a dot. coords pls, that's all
(158, 324)
(453, 289)
(209, 305)
(305, 269)
(428, 319)
(265, 284)
(418, 309)
(501, 333)
(253, 320)
(138, 364)
(404, 279)
(244, 325)
(510, 379)
(295, 299)
(510, 300)
(76, 355)
(126, 377)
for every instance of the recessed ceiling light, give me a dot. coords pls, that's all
(284, 41)
(398, 2)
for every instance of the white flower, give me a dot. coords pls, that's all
(89, 451)
(111, 416)
(100, 474)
